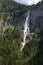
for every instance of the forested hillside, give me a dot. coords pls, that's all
(12, 18)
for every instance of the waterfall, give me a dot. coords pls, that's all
(26, 30)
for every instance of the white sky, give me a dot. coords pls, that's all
(28, 2)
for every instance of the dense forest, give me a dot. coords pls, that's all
(12, 17)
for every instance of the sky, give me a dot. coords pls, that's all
(28, 2)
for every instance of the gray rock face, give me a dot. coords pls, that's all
(36, 17)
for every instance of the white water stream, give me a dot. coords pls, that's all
(26, 30)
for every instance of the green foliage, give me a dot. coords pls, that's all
(0, 16)
(11, 5)
(6, 16)
(10, 53)
(31, 49)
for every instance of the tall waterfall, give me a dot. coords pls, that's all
(26, 30)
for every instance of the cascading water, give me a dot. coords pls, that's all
(26, 30)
